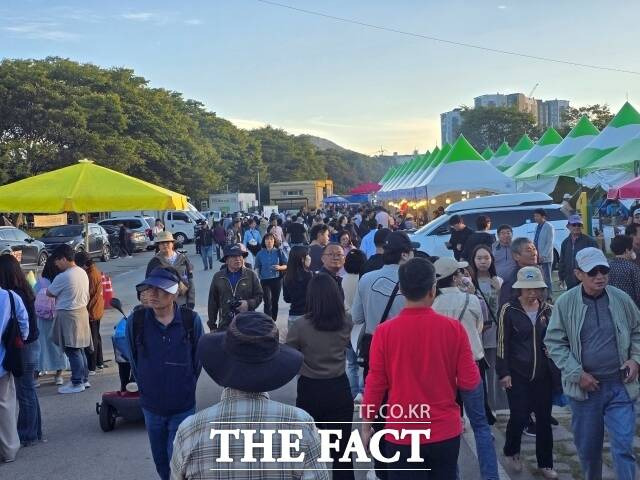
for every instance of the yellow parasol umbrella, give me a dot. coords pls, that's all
(86, 187)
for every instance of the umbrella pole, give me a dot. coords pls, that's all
(86, 232)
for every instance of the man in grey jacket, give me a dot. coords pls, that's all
(543, 240)
(594, 339)
(375, 289)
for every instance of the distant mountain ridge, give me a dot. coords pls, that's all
(323, 144)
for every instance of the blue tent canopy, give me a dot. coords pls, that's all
(358, 198)
(335, 199)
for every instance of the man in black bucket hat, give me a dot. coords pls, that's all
(248, 361)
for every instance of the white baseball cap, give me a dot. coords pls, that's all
(447, 266)
(589, 258)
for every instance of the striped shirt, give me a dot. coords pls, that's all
(195, 453)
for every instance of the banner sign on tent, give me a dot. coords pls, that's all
(49, 220)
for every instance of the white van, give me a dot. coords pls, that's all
(514, 209)
(182, 224)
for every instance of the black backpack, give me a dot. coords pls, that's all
(12, 341)
(187, 316)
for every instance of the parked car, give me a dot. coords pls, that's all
(99, 246)
(181, 223)
(514, 209)
(140, 238)
(113, 234)
(33, 252)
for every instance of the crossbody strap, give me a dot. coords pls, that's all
(390, 302)
(13, 306)
(464, 309)
(493, 318)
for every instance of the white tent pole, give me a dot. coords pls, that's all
(86, 232)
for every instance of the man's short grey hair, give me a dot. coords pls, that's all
(518, 243)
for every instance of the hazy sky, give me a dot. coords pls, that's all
(362, 88)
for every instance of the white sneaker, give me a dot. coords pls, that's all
(549, 473)
(371, 475)
(58, 380)
(358, 399)
(514, 462)
(71, 388)
(87, 385)
(92, 373)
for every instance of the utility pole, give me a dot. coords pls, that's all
(258, 187)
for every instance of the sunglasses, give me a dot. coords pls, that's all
(599, 269)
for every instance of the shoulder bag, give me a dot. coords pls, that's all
(365, 341)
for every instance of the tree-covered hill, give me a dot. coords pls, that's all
(55, 111)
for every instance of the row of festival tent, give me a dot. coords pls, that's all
(455, 167)
(595, 158)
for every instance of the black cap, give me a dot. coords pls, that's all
(233, 250)
(399, 241)
(380, 237)
(455, 219)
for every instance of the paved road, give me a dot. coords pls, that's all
(77, 447)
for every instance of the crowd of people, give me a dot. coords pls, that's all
(485, 330)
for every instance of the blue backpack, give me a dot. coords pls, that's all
(119, 339)
(122, 348)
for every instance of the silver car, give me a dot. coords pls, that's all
(139, 228)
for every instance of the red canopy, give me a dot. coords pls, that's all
(629, 190)
(366, 188)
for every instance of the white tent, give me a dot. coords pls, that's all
(463, 168)
(519, 150)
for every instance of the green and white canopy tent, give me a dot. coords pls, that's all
(463, 168)
(388, 174)
(400, 173)
(501, 153)
(578, 138)
(435, 162)
(426, 170)
(487, 153)
(622, 128)
(414, 171)
(519, 150)
(616, 168)
(549, 140)
(625, 157)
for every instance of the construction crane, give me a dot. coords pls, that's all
(533, 90)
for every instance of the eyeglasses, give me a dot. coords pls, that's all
(599, 269)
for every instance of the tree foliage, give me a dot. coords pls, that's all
(600, 116)
(490, 126)
(54, 112)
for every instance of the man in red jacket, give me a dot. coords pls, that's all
(419, 359)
